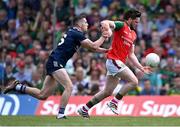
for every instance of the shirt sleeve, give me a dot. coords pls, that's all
(118, 25)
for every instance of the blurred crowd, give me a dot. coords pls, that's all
(30, 29)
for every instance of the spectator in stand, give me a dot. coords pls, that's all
(3, 19)
(175, 90)
(20, 20)
(20, 5)
(37, 79)
(2, 74)
(24, 44)
(3, 5)
(177, 29)
(44, 30)
(163, 23)
(94, 78)
(77, 63)
(177, 57)
(148, 89)
(6, 40)
(9, 71)
(167, 71)
(144, 28)
(152, 8)
(29, 64)
(48, 43)
(80, 82)
(94, 33)
(82, 7)
(12, 28)
(94, 89)
(62, 10)
(134, 4)
(43, 55)
(12, 9)
(22, 75)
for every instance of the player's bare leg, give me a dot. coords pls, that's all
(111, 83)
(63, 78)
(48, 87)
(129, 76)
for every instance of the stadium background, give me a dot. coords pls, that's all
(30, 29)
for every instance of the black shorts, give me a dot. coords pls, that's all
(52, 65)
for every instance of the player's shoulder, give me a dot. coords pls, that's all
(119, 21)
(118, 25)
(74, 31)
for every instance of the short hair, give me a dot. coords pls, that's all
(78, 18)
(132, 13)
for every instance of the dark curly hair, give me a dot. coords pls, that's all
(132, 13)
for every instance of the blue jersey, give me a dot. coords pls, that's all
(66, 48)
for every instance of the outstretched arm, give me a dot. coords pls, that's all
(133, 59)
(95, 46)
(113, 25)
(87, 43)
(107, 24)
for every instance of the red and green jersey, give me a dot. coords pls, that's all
(122, 42)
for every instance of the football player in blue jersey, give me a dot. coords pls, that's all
(69, 44)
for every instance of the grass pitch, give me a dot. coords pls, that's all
(94, 121)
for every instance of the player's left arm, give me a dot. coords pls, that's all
(107, 25)
(135, 62)
(133, 59)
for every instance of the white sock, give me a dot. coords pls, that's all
(85, 107)
(18, 87)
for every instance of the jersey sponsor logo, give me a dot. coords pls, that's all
(55, 63)
(9, 105)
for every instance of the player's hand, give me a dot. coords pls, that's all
(104, 27)
(147, 70)
(107, 33)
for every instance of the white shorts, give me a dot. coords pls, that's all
(114, 66)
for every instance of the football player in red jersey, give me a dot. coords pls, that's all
(122, 48)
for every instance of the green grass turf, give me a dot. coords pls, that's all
(93, 121)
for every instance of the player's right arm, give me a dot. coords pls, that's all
(94, 46)
(114, 25)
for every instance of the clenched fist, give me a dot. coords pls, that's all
(107, 33)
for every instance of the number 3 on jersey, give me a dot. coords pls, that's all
(62, 39)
